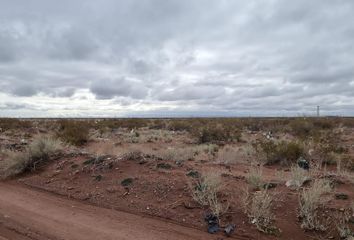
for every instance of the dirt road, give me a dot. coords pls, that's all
(29, 214)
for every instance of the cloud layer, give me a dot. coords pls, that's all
(164, 57)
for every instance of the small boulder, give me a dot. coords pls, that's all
(342, 196)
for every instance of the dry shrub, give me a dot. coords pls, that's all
(74, 132)
(258, 206)
(282, 152)
(205, 192)
(255, 177)
(38, 153)
(298, 176)
(311, 202)
(178, 155)
(342, 222)
(216, 133)
(230, 155)
(14, 123)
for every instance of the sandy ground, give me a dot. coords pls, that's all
(30, 214)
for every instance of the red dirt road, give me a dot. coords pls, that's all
(29, 214)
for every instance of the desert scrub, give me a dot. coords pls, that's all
(216, 133)
(254, 177)
(74, 132)
(258, 207)
(38, 153)
(205, 192)
(311, 202)
(282, 152)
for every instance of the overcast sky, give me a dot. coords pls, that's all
(176, 57)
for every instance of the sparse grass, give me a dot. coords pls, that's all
(254, 177)
(38, 153)
(311, 201)
(229, 155)
(342, 220)
(205, 192)
(298, 176)
(258, 206)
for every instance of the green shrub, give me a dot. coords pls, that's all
(74, 132)
(282, 152)
(214, 133)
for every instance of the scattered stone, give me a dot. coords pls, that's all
(342, 196)
(229, 229)
(111, 190)
(213, 223)
(126, 182)
(98, 178)
(74, 166)
(164, 165)
(193, 174)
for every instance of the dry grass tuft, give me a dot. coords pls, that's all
(258, 207)
(298, 176)
(205, 192)
(38, 153)
(255, 177)
(310, 202)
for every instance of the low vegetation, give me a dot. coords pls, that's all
(74, 132)
(311, 202)
(282, 152)
(258, 206)
(37, 154)
(205, 192)
(254, 177)
(298, 177)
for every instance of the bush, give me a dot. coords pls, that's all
(14, 123)
(38, 153)
(310, 203)
(205, 191)
(74, 132)
(216, 134)
(254, 177)
(282, 152)
(258, 207)
(298, 176)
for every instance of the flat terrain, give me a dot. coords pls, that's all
(42, 215)
(154, 179)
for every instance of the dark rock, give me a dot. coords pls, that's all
(126, 182)
(98, 177)
(164, 165)
(193, 174)
(229, 229)
(351, 219)
(342, 196)
(213, 223)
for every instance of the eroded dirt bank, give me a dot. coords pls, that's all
(40, 215)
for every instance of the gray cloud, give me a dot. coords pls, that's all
(109, 88)
(255, 57)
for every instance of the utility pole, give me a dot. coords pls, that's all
(318, 111)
